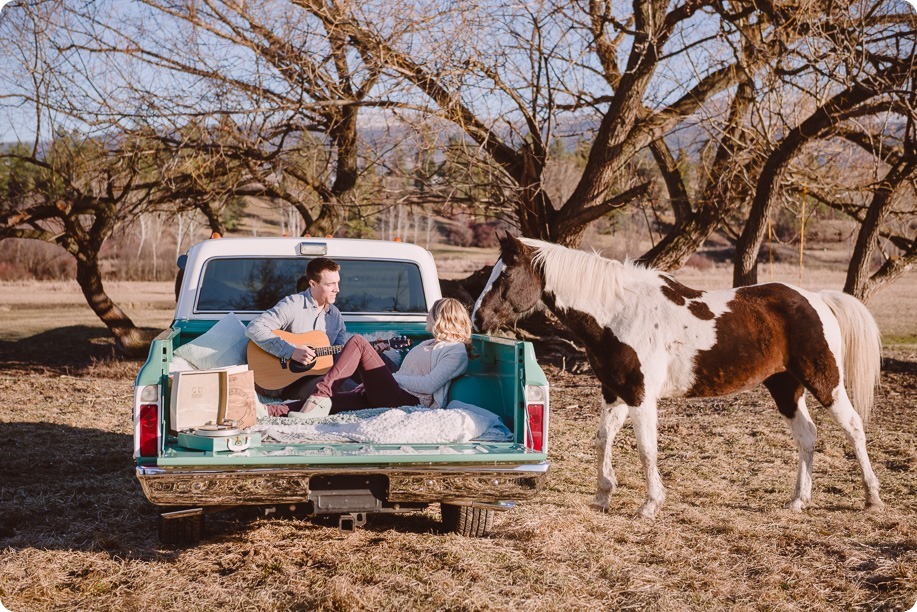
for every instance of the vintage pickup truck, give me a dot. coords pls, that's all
(385, 287)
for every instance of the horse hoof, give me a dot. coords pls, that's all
(602, 499)
(599, 507)
(876, 506)
(649, 511)
(797, 505)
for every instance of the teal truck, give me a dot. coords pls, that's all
(386, 288)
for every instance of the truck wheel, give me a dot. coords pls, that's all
(181, 531)
(467, 520)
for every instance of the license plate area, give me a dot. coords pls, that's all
(348, 493)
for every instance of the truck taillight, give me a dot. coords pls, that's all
(535, 414)
(536, 417)
(148, 430)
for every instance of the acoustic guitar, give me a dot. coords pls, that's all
(273, 373)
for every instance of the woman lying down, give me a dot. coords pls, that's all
(423, 379)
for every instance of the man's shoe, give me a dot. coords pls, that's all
(316, 407)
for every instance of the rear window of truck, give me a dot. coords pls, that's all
(254, 284)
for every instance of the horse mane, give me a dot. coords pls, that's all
(578, 275)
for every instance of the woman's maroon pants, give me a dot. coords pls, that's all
(379, 389)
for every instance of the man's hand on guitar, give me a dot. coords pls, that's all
(304, 354)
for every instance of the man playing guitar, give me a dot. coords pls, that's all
(313, 309)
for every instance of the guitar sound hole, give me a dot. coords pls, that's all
(299, 368)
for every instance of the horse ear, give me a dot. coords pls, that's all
(507, 242)
(511, 247)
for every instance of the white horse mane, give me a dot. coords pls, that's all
(589, 276)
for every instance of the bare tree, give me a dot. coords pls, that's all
(553, 65)
(81, 192)
(859, 280)
(866, 65)
(271, 92)
(876, 190)
(511, 81)
(311, 104)
(67, 188)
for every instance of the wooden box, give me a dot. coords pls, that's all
(199, 397)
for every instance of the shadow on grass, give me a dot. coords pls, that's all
(74, 488)
(71, 488)
(414, 521)
(892, 365)
(64, 349)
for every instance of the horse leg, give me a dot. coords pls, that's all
(789, 395)
(804, 433)
(846, 416)
(645, 418)
(611, 421)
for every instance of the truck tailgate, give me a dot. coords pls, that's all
(353, 454)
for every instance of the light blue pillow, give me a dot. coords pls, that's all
(223, 345)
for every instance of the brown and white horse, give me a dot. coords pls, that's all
(648, 337)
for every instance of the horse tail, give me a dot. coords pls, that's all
(862, 348)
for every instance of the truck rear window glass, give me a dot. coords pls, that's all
(255, 284)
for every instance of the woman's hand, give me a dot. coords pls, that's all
(277, 410)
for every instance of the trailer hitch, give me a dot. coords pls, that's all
(350, 522)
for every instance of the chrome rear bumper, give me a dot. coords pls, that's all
(168, 486)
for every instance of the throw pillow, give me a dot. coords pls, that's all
(222, 345)
(180, 365)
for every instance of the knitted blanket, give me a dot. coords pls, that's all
(456, 423)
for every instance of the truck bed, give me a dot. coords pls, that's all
(489, 383)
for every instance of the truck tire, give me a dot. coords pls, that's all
(182, 531)
(467, 520)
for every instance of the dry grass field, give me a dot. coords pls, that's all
(77, 533)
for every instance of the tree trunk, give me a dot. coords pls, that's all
(893, 269)
(213, 219)
(129, 339)
(674, 182)
(536, 216)
(340, 194)
(882, 200)
(815, 126)
(693, 227)
(571, 221)
(343, 134)
(681, 243)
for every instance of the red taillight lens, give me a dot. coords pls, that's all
(535, 414)
(149, 430)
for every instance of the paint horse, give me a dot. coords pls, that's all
(649, 337)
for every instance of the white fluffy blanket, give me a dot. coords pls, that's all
(458, 422)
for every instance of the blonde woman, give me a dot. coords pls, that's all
(424, 376)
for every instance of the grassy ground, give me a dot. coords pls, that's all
(77, 533)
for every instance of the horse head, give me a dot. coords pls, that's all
(514, 287)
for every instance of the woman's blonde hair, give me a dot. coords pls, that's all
(451, 321)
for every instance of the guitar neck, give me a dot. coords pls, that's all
(328, 350)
